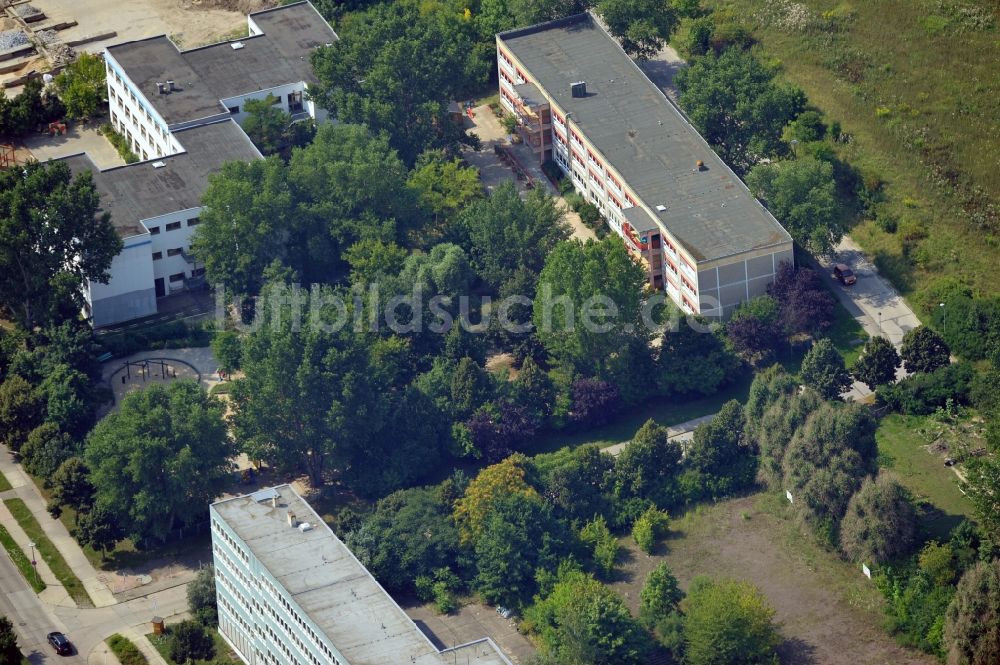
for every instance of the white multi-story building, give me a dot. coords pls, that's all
(291, 593)
(692, 223)
(179, 111)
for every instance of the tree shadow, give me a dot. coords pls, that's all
(796, 651)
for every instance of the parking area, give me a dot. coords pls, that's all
(470, 623)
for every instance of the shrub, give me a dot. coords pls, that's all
(190, 641)
(589, 214)
(125, 651)
(728, 622)
(880, 523)
(650, 527)
(923, 350)
(120, 143)
(972, 623)
(603, 543)
(923, 394)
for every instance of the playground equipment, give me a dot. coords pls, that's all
(146, 369)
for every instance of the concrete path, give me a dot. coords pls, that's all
(494, 172)
(79, 138)
(24, 489)
(682, 432)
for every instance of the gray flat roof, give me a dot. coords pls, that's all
(645, 138)
(327, 581)
(140, 191)
(208, 74)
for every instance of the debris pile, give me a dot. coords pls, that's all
(26, 11)
(12, 38)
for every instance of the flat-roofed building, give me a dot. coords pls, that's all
(584, 104)
(291, 593)
(179, 112)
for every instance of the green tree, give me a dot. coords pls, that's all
(45, 449)
(535, 390)
(823, 370)
(584, 621)
(201, 597)
(189, 642)
(982, 486)
(395, 67)
(409, 535)
(642, 27)
(719, 452)
(21, 411)
(519, 537)
(52, 238)
(227, 348)
(972, 622)
(728, 622)
(660, 595)
(70, 399)
(690, 362)
(775, 430)
(648, 464)
(99, 529)
(649, 528)
(924, 350)
(575, 481)
(877, 364)
(802, 195)
(589, 305)
(738, 106)
(160, 459)
(372, 259)
(82, 86)
(880, 523)
(10, 653)
(271, 129)
(492, 483)
(444, 186)
(248, 211)
(826, 461)
(504, 232)
(603, 543)
(71, 488)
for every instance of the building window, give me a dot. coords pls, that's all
(157, 256)
(154, 230)
(178, 277)
(234, 109)
(174, 252)
(194, 221)
(197, 272)
(173, 226)
(294, 102)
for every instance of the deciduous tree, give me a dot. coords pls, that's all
(728, 622)
(82, 86)
(642, 27)
(880, 523)
(499, 480)
(52, 239)
(972, 622)
(824, 371)
(924, 350)
(877, 364)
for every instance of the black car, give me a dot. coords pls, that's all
(60, 644)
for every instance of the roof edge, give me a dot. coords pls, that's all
(545, 25)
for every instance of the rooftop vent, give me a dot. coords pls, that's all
(292, 522)
(159, 88)
(236, 46)
(578, 89)
(159, 165)
(305, 526)
(700, 165)
(260, 496)
(661, 208)
(170, 86)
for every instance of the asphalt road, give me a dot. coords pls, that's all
(32, 620)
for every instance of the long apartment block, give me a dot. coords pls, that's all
(180, 111)
(582, 103)
(291, 593)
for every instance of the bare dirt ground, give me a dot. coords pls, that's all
(829, 612)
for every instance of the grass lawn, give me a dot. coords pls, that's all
(223, 654)
(47, 550)
(920, 108)
(4, 483)
(902, 446)
(21, 560)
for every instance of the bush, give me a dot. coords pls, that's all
(173, 335)
(972, 623)
(728, 622)
(125, 651)
(589, 214)
(603, 543)
(923, 394)
(880, 523)
(190, 641)
(650, 527)
(120, 143)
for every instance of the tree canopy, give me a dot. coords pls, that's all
(642, 26)
(82, 86)
(880, 523)
(877, 364)
(52, 239)
(924, 350)
(735, 102)
(824, 371)
(728, 622)
(972, 622)
(158, 461)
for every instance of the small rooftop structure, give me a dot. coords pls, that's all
(331, 586)
(157, 187)
(644, 137)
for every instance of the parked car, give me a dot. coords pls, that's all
(60, 643)
(843, 273)
(504, 612)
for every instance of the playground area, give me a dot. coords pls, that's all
(132, 375)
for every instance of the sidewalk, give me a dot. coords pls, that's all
(681, 432)
(54, 593)
(24, 489)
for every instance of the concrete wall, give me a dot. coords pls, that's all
(165, 240)
(281, 92)
(134, 117)
(129, 294)
(725, 286)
